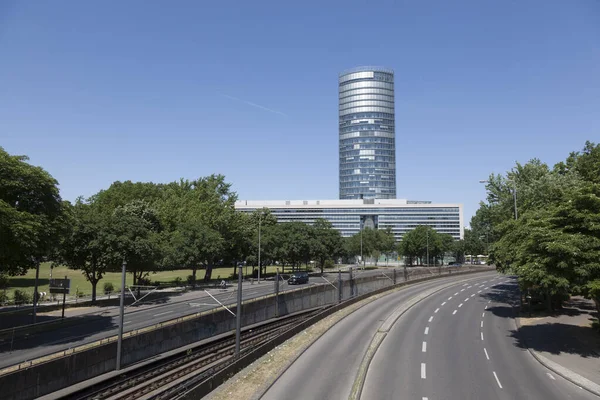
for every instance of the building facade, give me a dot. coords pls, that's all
(367, 153)
(349, 216)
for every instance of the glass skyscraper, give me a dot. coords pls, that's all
(367, 134)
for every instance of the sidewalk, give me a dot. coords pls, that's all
(566, 342)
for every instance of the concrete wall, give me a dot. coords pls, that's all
(59, 373)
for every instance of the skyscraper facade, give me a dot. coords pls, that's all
(367, 134)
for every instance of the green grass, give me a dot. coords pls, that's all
(78, 281)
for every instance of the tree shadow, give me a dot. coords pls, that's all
(557, 338)
(74, 331)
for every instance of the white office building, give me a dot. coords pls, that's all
(349, 216)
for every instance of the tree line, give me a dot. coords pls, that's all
(186, 224)
(550, 235)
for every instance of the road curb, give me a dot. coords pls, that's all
(555, 367)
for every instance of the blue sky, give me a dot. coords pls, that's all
(154, 90)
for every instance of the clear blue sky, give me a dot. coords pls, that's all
(155, 90)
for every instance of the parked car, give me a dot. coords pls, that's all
(455, 264)
(298, 278)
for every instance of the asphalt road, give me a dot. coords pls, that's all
(458, 344)
(99, 325)
(104, 323)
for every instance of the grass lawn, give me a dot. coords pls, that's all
(78, 281)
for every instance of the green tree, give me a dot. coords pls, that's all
(326, 242)
(31, 214)
(135, 235)
(386, 242)
(84, 246)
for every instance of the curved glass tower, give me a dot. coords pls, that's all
(367, 134)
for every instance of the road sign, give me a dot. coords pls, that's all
(60, 286)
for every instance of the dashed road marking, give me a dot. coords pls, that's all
(426, 330)
(443, 303)
(450, 298)
(481, 335)
(162, 313)
(436, 310)
(497, 380)
(473, 295)
(460, 305)
(482, 315)
(550, 376)
(479, 291)
(469, 287)
(486, 354)
(424, 347)
(454, 312)
(481, 324)
(424, 372)
(431, 318)
(462, 290)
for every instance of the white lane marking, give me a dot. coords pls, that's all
(486, 354)
(436, 310)
(454, 312)
(486, 288)
(460, 305)
(456, 294)
(423, 372)
(482, 315)
(484, 282)
(430, 318)
(424, 347)
(425, 398)
(479, 291)
(462, 290)
(450, 298)
(467, 299)
(443, 303)
(473, 295)
(489, 301)
(485, 308)
(126, 322)
(481, 335)
(465, 284)
(481, 324)
(497, 380)
(426, 330)
(469, 287)
(550, 376)
(162, 313)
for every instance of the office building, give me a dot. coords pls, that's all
(348, 216)
(367, 152)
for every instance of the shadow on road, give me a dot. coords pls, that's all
(73, 331)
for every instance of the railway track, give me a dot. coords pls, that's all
(162, 379)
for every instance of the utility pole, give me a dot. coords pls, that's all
(428, 247)
(238, 315)
(361, 243)
(121, 315)
(277, 293)
(259, 265)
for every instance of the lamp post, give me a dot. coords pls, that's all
(121, 315)
(427, 248)
(514, 192)
(361, 242)
(259, 223)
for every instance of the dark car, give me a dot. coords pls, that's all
(455, 264)
(298, 278)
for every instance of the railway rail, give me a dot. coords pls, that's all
(163, 378)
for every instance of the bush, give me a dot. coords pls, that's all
(329, 264)
(3, 297)
(3, 281)
(177, 281)
(190, 279)
(108, 287)
(22, 297)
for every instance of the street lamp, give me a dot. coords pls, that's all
(259, 223)
(427, 247)
(361, 242)
(514, 192)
